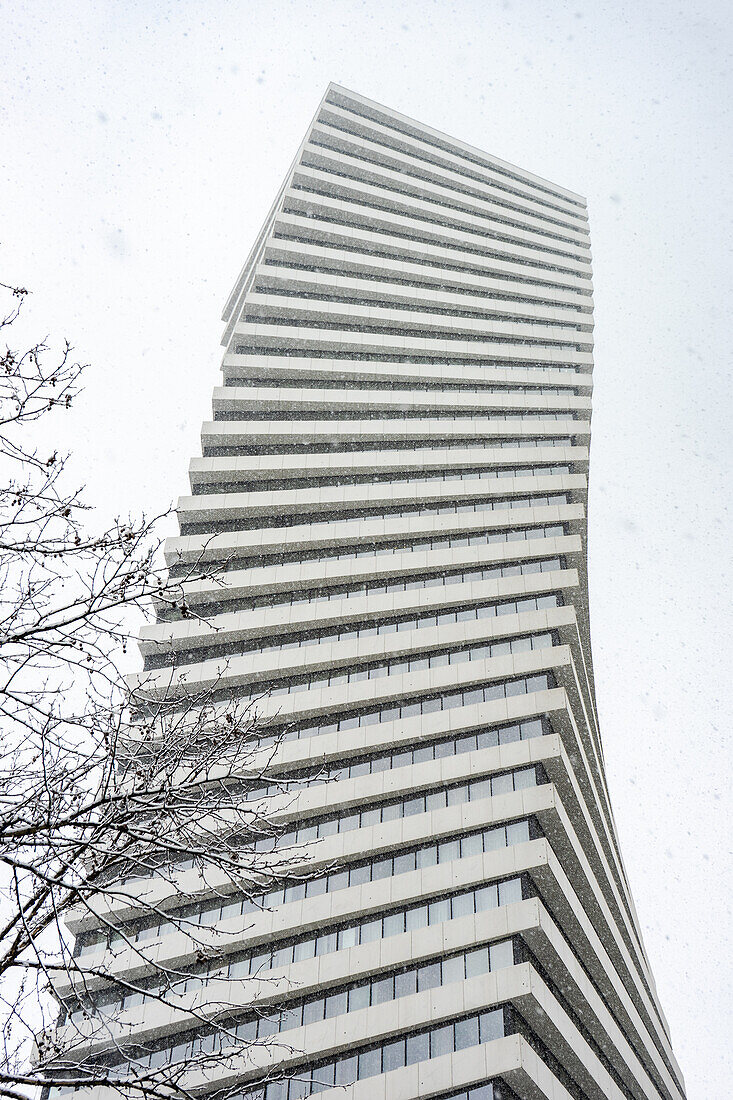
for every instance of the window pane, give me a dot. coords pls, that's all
(335, 1005)
(486, 898)
(359, 875)
(370, 1063)
(404, 862)
(493, 839)
(304, 950)
(472, 845)
(427, 857)
(371, 931)
(417, 918)
(491, 1025)
(348, 937)
(501, 954)
(456, 796)
(448, 850)
(393, 1055)
(406, 983)
(477, 962)
(518, 832)
(394, 923)
(346, 1071)
(441, 1041)
(487, 739)
(326, 944)
(428, 977)
(381, 869)
(313, 1011)
(502, 784)
(453, 969)
(523, 778)
(462, 905)
(382, 990)
(359, 998)
(439, 911)
(466, 1033)
(480, 789)
(418, 1048)
(510, 891)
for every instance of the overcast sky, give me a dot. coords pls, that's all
(145, 142)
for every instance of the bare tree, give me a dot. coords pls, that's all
(107, 803)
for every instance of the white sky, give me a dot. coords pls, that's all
(145, 143)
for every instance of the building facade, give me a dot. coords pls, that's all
(395, 483)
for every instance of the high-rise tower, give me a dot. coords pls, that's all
(395, 482)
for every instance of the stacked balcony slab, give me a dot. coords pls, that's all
(395, 482)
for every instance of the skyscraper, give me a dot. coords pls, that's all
(395, 484)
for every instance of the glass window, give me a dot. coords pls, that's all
(391, 813)
(441, 1041)
(517, 832)
(486, 898)
(326, 944)
(461, 905)
(448, 850)
(282, 956)
(510, 892)
(338, 880)
(382, 868)
(359, 875)
(428, 976)
(393, 924)
(404, 862)
(348, 937)
(418, 1048)
(370, 1063)
(393, 1055)
(359, 998)
(523, 778)
(417, 918)
(346, 1071)
(439, 911)
(477, 962)
(405, 983)
(502, 784)
(491, 1025)
(472, 845)
(487, 739)
(481, 788)
(453, 969)
(493, 839)
(456, 796)
(371, 931)
(509, 734)
(306, 949)
(315, 887)
(382, 990)
(466, 1033)
(336, 1004)
(501, 954)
